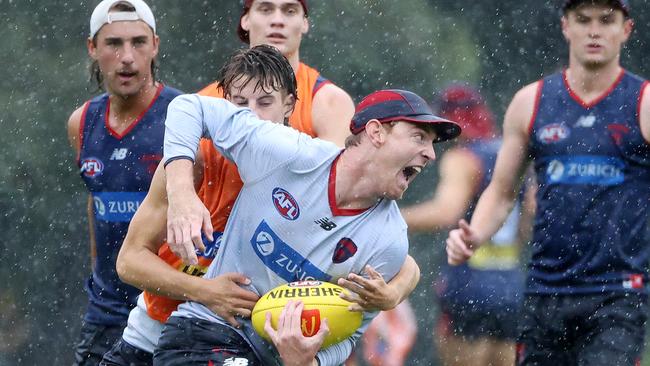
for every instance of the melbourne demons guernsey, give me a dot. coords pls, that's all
(218, 191)
(591, 230)
(285, 225)
(492, 279)
(117, 170)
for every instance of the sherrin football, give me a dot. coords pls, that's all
(321, 301)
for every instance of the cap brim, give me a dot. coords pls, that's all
(445, 129)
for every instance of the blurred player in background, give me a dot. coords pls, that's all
(479, 301)
(118, 138)
(587, 130)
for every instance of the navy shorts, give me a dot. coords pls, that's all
(94, 341)
(191, 341)
(124, 354)
(478, 304)
(594, 330)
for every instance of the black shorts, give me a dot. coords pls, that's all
(124, 354)
(594, 330)
(94, 341)
(191, 341)
(499, 325)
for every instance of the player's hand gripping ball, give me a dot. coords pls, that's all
(321, 300)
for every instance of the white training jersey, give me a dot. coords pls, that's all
(285, 225)
(141, 330)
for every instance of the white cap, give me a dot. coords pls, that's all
(101, 15)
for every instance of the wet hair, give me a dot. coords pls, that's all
(264, 65)
(95, 73)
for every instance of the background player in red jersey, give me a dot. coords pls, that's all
(479, 301)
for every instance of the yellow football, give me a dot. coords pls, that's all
(321, 301)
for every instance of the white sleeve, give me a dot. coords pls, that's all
(388, 263)
(255, 146)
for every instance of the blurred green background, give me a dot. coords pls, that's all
(419, 45)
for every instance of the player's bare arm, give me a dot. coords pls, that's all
(187, 215)
(497, 200)
(332, 111)
(644, 114)
(372, 293)
(458, 177)
(139, 264)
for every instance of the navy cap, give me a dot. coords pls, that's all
(401, 105)
(623, 5)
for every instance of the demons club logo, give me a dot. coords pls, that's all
(344, 250)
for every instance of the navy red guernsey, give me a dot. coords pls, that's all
(117, 170)
(591, 230)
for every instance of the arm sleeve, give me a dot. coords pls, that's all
(388, 263)
(255, 146)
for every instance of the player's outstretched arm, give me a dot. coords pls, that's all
(372, 293)
(498, 198)
(332, 111)
(294, 348)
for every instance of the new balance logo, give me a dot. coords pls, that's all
(325, 223)
(119, 154)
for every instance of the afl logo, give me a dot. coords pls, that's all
(92, 167)
(286, 205)
(553, 133)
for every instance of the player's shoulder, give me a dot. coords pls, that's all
(212, 90)
(169, 92)
(74, 120)
(528, 94)
(332, 95)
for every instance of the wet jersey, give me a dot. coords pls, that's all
(117, 170)
(221, 185)
(492, 278)
(285, 225)
(219, 189)
(591, 230)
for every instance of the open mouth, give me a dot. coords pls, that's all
(276, 36)
(410, 172)
(126, 74)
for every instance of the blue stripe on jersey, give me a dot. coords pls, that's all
(117, 206)
(282, 259)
